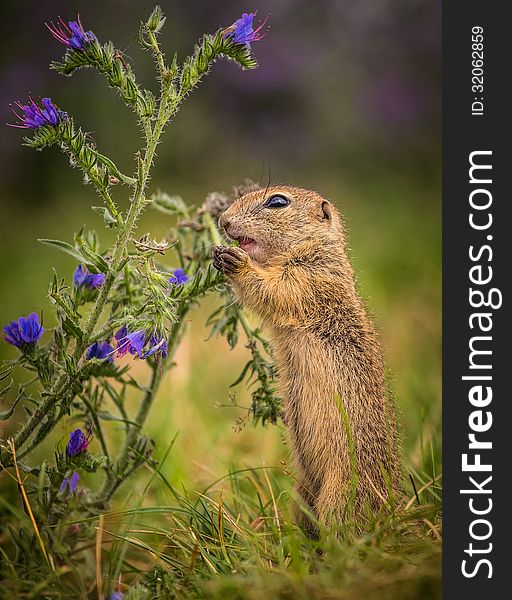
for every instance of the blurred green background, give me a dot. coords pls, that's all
(346, 101)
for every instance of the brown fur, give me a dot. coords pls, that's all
(299, 280)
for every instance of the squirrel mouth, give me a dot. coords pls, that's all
(246, 243)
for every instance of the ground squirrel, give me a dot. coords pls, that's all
(292, 270)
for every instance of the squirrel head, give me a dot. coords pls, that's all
(281, 219)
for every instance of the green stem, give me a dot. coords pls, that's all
(99, 430)
(120, 465)
(245, 326)
(214, 232)
(110, 204)
(159, 58)
(100, 187)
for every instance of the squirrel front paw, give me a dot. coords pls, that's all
(228, 260)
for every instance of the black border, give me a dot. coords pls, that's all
(462, 134)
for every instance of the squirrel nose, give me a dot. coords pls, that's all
(224, 222)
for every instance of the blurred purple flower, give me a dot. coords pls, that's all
(120, 333)
(35, 117)
(74, 528)
(78, 443)
(116, 596)
(136, 341)
(12, 334)
(156, 345)
(82, 277)
(72, 482)
(179, 277)
(72, 35)
(26, 330)
(132, 342)
(242, 31)
(101, 350)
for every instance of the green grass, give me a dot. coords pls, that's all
(236, 540)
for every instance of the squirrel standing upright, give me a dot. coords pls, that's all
(292, 270)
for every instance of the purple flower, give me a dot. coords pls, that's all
(83, 278)
(26, 330)
(78, 443)
(35, 117)
(101, 350)
(140, 343)
(179, 277)
(116, 596)
(72, 35)
(130, 342)
(71, 483)
(242, 31)
(156, 345)
(121, 333)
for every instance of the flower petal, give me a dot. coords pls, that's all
(73, 481)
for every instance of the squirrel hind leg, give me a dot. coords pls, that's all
(305, 514)
(338, 502)
(344, 506)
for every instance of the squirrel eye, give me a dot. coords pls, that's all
(277, 201)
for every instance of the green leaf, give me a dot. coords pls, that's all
(106, 416)
(45, 136)
(5, 390)
(97, 261)
(26, 469)
(242, 375)
(72, 60)
(171, 205)
(146, 104)
(7, 414)
(64, 247)
(239, 53)
(71, 328)
(5, 371)
(111, 167)
(156, 20)
(108, 219)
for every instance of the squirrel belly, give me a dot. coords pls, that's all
(292, 270)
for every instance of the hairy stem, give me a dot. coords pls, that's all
(120, 465)
(159, 58)
(212, 228)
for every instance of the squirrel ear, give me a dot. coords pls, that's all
(324, 211)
